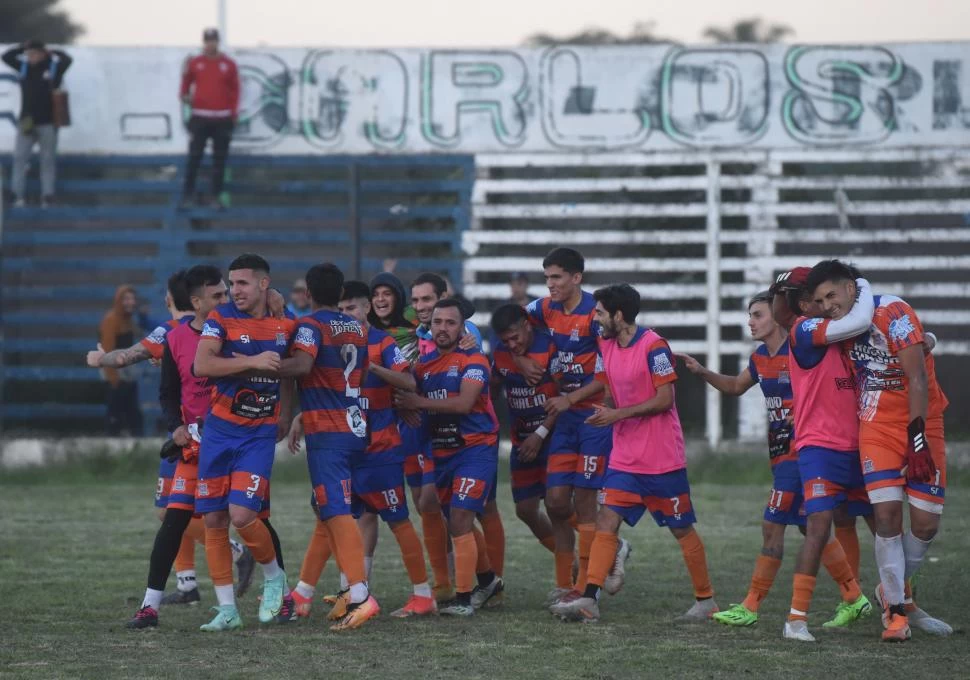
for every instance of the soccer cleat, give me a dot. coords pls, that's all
(146, 617)
(456, 608)
(272, 602)
(614, 582)
(245, 566)
(490, 596)
(926, 623)
(287, 610)
(303, 604)
(227, 618)
(584, 609)
(444, 593)
(183, 597)
(849, 612)
(556, 594)
(883, 606)
(331, 599)
(567, 597)
(416, 606)
(897, 630)
(358, 614)
(737, 615)
(702, 610)
(341, 603)
(798, 630)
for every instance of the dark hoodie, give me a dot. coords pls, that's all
(117, 330)
(402, 322)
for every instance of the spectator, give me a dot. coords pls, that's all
(40, 72)
(519, 289)
(118, 330)
(213, 80)
(299, 299)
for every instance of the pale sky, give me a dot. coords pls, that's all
(501, 23)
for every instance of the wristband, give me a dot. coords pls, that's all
(542, 431)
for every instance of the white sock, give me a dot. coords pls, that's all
(237, 550)
(305, 590)
(422, 589)
(891, 561)
(153, 599)
(271, 569)
(225, 595)
(187, 582)
(343, 581)
(915, 550)
(368, 563)
(358, 593)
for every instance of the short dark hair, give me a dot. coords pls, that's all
(571, 261)
(354, 290)
(249, 261)
(507, 316)
(761, 296)
(437, 282)
(620, 297)
(448, 303)
(179, 292)
(466, 305)
(325, 283)
(200, 276)
(830, 270)
(35, 45)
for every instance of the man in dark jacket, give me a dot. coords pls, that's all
(40, 73)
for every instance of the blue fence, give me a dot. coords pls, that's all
(117, 221)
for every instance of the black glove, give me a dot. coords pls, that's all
(170, 451)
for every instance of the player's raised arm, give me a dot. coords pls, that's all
(857, 320)
(735, 385)
(117, 358)
(303, 354)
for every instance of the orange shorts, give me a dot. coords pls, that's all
(882, 450)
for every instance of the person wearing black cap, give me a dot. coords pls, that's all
(40, 72)
(210, 86)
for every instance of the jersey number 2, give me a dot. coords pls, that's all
(348, 353)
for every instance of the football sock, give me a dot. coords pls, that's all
(549, 543)
(696, 560)
(765, 570)
(276, 543)
(317, 553)
(168, 539)
(586, 534)
(891, 560)
(564, 569)
(436, 543)
(259, 541)
(466, 558)
(348, 547)
(914, 550)
(849, 539)
(494, 540)
(601, 557)
(833, 558)
(153, 599)
(482, 564)
(218, 554)
(186, 580)
(411, 552)
(185, 558)
(305, 589)
(368, 563)
(196, 530)
(803, 586)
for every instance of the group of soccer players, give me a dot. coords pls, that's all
(392, 393)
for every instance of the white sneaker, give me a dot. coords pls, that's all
(798, 630)
(702, 610)
(614, 582)
(926, 623)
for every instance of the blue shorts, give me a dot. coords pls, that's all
(418, 462)
(234, 468)
(666, 496)
(528, 479)
(786, 503)
(830, 478)
(578, 453)
(330, 478)
(379, 489)
(465, 479)
(166, 471)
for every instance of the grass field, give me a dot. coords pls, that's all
(75, 540)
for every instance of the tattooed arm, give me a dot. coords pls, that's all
(118, 358)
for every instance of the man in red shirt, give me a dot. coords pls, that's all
(210, 86)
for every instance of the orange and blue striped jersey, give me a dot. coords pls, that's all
(251, 403)
(524, 400)
(330, 393)
(575, 335)
(154, 342)
(377, 400)
(440, 376)
(772, 375)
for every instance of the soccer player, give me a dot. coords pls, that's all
(185, 400)
(530, 426)
(241, 348)
(578, 450)
(330, 357)
(647, 467)
(901, 441)
(768, 368)
(453, 388)
(391, 313)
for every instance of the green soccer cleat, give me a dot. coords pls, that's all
(272, 602)
(737, 615)
(849, 612)
(227, 618)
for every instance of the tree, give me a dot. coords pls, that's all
(22, 20)
(749, 31)
(642, 34)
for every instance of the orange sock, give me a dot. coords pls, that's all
(218, 554)
(564, 569)
(574, 521)
(196, 530)
(494, 541)
(185, 559)
(850, 544)
(466, 557)
(765, 570)
(549, 543)
(348, 547)
(696, 560)
(259, 541)
(586, 534)
(601, 557)
(436, 543)
(411, 551)
(317, 553)
(483, 563)
(833, 557)
(801, 597)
